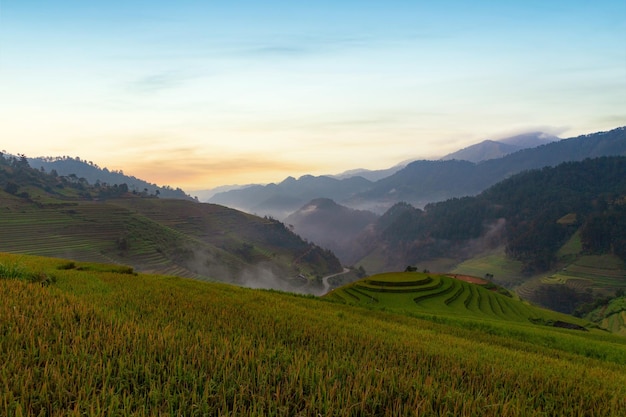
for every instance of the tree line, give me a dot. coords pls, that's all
(532, 204)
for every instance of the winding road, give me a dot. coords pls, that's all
(327, 277)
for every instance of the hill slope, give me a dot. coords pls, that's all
(108, 343)
(92, 173)
(331, 226)
(47, 215)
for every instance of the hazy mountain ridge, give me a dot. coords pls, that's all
(426, 181)
(68, 166)
(422, 182)
(331, 226)
(493, 149)
(279, 200)
(483, 151)
(370, 175)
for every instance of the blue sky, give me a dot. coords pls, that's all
(203, 93)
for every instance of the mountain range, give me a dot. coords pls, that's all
(561, 225)
(420, 182)
(423, 213)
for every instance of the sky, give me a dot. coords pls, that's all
(197, 94)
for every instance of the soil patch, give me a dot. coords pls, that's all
(469, 278)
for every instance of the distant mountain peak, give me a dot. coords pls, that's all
(493, 149)
(529, 140)
(288, 180)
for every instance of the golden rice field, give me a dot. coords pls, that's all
(95, 340)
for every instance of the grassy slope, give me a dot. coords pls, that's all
(106, 343)
(611, 316)
(506, 272)
(602, 273)
(175, 237)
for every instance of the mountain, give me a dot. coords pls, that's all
(491, 149)
(50, 215)
(482, 151)
(529, 140)
(279, 200)
(370, 175)
(425, 181)
(422, 182)
(544, 219)
(205, 195)
(331, 226)
(80, 169)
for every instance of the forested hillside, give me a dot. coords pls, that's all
(53, 215)
(422, 182)
(533, 213)
(81, 170)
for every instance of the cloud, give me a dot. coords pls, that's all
(154, 83)
(295, 46)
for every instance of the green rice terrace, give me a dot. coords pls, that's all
(83, 338)
(174, 237)
(447, 295)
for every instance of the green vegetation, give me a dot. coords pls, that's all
(444, 295)
(51, 215)
(532, 214)
(504, 270)
(109, 343)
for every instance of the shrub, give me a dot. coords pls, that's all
(11, 270)
(67, 265)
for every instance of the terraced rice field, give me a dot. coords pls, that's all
(100, 342)
(505, 271)
(601, 273)
(43, 231)
(437, 294)
(88, 231)
(615, 323)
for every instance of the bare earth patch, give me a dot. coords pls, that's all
(469, 278)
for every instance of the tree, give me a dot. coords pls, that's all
(11, 187)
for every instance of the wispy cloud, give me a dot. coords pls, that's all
(299, 45)
(154, 83)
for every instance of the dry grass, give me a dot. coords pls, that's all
(114, 344)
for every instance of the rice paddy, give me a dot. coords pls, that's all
(101, 341)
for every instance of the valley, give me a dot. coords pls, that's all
(136, 304)
(312, 209)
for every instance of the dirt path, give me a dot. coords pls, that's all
(327, 277)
